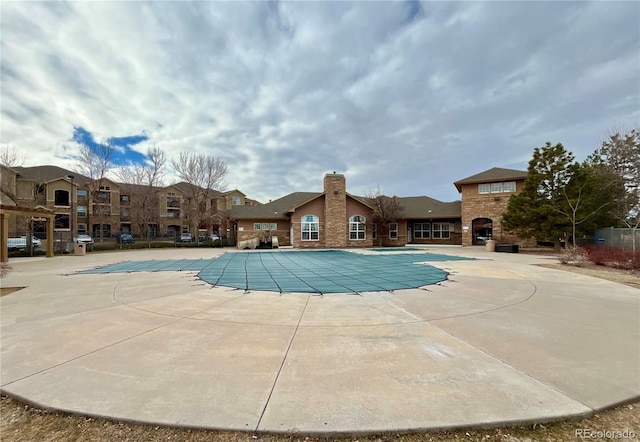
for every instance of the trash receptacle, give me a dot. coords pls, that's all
(490, 245)
(79, 249)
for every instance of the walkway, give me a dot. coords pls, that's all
(502, 341)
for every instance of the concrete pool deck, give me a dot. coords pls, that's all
(502, 341)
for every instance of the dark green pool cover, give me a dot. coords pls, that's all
(330, 271)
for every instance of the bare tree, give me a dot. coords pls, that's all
(9, 157)
(7, 185)
(95, 162)
(142, 182)
(204, 175)
(386, 211)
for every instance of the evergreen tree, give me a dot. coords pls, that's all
(560, 196)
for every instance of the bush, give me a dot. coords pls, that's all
(574, 256)
(616, 257)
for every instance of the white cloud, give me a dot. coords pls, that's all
(394, 96)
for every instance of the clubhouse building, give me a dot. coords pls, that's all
(335, 218)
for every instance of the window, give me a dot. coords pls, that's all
(393, 231)
(265, 226)
(441, 230)
(357, 228)
(422, 230)
(273, 226)
(105, 187)
(374, 234)
(82, 211)
(39, 189)
(173, 201)
(101, 210)
(509, 186)
(101, 230)
(82, 229)
(61, 221)
(310, 228)
(257, 226)
(125, 199)
(61, 198)
(236, 201)
(82, 194)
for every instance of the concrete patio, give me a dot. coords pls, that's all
(502, 341)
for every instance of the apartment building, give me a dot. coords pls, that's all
(107, 208)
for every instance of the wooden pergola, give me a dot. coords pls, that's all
(6, 211)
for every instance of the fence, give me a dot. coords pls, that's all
(617, 237)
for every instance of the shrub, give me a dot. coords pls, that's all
(616, 257)
(574, 256)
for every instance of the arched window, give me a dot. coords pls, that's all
(357, 227)
(310, 228)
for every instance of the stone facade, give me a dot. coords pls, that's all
(490, 206)
(335, 203)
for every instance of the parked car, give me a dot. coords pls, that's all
(21, 243)
(185, 237)
(126, 238)
(213, 237)
(84, 239)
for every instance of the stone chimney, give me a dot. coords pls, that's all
(335, 187)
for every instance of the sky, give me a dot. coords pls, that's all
(404, 97)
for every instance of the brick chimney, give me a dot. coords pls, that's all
(335, 186)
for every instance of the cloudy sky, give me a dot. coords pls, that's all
(402, 96)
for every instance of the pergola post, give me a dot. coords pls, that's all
(50, 226)
(4, 237)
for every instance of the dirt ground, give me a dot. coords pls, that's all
(23, 423)
(20, 422)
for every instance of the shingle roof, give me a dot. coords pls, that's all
(43, 174)
(414, 207)
(492, 175)
(185, 188)
(424, 207)
(275, 209)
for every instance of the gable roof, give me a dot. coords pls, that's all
(275, 209)
(492, 175)
(44, 174)
(187, 189)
